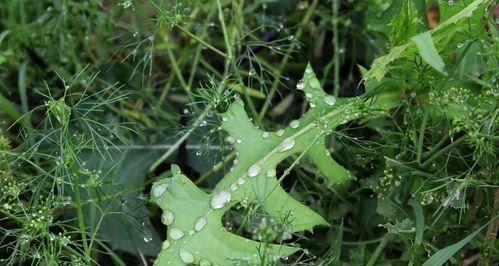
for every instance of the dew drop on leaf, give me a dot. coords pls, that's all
(167, 217)
(204, 262)
(300, 86)
(186, 256)
(165, 245)
(287, 144)
(176, 233)
(280, 132)
(230, 140)
(240, 181)
(265, 135)
(200, 223)
(330, 100)
(220, 199)
(233, 187)
(159, 190)
(271, 173)
(254, 170)
(294, 124)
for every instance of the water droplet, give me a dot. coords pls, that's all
(230, 140)
(459, 45)
(252, 71)
(265, 135)
(254, 170)
(204, 262)
(308, 70)
(312, 105)
(294, 124)
(203, 123)
(236, 161)
(287, 144)
(330, 100)
(225, 119)
(233, 187)
(241, 181)
(280, 132)
(166, 244)
(167, 217)
(176, 233)
(271, 173)
(186, 256)
(220, 199)
(147, 238)
(200, 223)
(239, 141)
(300, 86)
(159, 190)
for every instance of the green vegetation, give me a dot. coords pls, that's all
(249, 132)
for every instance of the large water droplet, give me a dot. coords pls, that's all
(159, 190)
(186, 256)
(200, 223)
(330, 100)
(271, 173)
(280, 132)
(287, 144)
(167, 217)
(265, 135)
(220, 199)
(166, 244)
(176, 233)
(254, 170)
(294, 124)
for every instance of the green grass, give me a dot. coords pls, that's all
(98, 101)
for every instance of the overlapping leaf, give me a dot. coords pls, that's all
(193, 217)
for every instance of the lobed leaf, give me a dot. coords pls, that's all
(193, 217)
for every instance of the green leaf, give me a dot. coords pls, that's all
(445, 254)
(427, 49)
(193, 217)
(429, 52)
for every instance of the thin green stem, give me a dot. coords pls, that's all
(286, 57)
(209, 46)
(336, 45)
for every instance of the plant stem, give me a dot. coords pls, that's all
(384, 240)
(336, 45)
(79, 211)
(284, 61)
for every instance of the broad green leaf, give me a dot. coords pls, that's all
(193, 217)
(381, 65)
(428, 52)
(445, 254)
